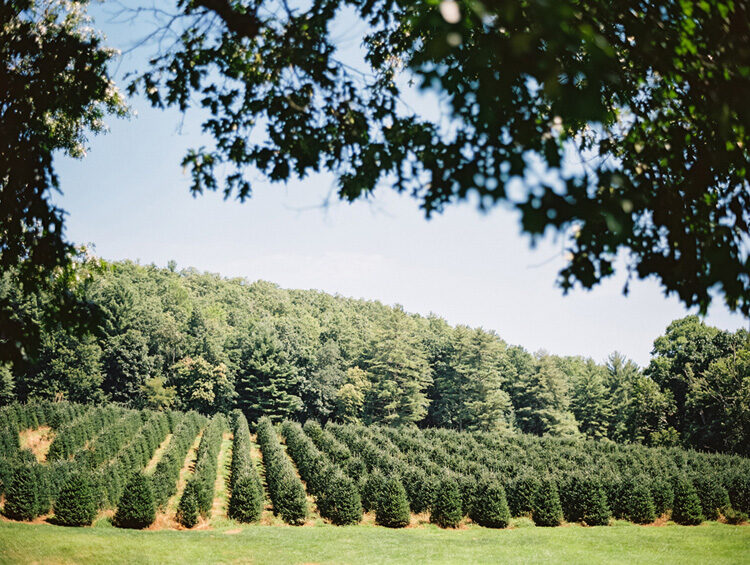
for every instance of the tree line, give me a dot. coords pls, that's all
(187, 340)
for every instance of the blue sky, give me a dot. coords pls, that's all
(130, 198)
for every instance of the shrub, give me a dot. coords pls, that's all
(187, 509)
(76, 503)
(490, 507)
(739, 490)
(546, 509)
(136, 508)
(733, 516)
(687, 506)
(21, 496)
(392, 510)
(712, 495)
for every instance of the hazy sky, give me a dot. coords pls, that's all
(130, 198)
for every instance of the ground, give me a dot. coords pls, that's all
(622, 543)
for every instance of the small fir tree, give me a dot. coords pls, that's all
(490, 507)
(546, 509)
(246, 501)
(373, 489)
(641, 508)
(136, 508)
(392, 509)
(712, 494)
(596, 511)
(341, 502)
(75, 504)
(687, 506)
(21, 496)
(187, 509)
(446, 511)
(663, 493)
(521, 492)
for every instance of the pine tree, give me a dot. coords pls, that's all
(246, 501)
(712, 494)
(663, 493)
(341, 502)
(641, 508)
(596, 512)
(75, 504)
(373, 489)
(136, 508)
(546, 509)
(520, 493)
(446, 510)
(490, 508)
(187, 509)
(21, 495)
(687, 506)
(392, 509)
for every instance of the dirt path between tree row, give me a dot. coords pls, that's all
(221, 494)
(157, 455)
(38, 441)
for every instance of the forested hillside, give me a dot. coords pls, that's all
(196, 341)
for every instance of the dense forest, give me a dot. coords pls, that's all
(196, 341)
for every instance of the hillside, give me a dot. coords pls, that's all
(162, 338)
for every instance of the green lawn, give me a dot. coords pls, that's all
(623, 543)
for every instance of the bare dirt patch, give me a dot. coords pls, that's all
(38, 441)
(157, 455)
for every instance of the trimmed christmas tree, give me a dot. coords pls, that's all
(663, 493)
(712, 494)
(490, 508)
(246, 502)
(136, 508)
(687, 506)
(640, 505)
(75, 504)
(546, 509)
(446, 510)
(520, 494)
(341, 501)
(21, 497)
(596, 511)
(187, 509)
(372, 490)
(392, 509)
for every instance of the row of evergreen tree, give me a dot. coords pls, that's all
(195, 341)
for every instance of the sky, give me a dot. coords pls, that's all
(129, 197)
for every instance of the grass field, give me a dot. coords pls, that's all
(623, 543)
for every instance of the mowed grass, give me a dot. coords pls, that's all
(623, 543)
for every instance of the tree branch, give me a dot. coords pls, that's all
(241, 23)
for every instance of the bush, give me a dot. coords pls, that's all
(392, 510)
(687, 506)
(490, 507)
(137, 508)
(76, 503)
(187, 509)
(21, 496)
(739, 490)
(712, 495)
(546, 509)
(446, 510)
(733, 516)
